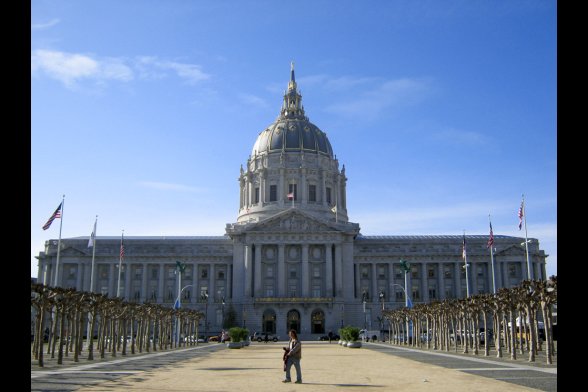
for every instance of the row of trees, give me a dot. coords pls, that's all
(511, 314)
(65, 317)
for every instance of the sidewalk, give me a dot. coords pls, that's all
(258, 368)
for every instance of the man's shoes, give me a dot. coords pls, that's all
(298, 382)
(287, 381)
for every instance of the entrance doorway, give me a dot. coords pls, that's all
(294, 320)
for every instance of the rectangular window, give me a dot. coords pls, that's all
(138, 273)
(269, 290)
(316, 291)
(414, 272)
(154, 273)
(256, 195)
(292, 189)
(399, 296)
(292, 289)
(328, 192)
(221, 275)
(316, 271)
(432, 293)
(292, 270)
(381, 272)
(273, 193)
(416, 295)
(171, 272)
(480, 271)
(203, 292)
(204, 273)
(447, 272)
(312, 193)
(431, 272)
(364, 272)
(269, 271)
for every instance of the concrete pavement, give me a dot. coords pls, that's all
(325, 367)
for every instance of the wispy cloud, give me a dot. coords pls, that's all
(459, 137)
(370, 103)
(253, 100)
(70, 68)
(165, 186)
(191, 73)
(41, 26)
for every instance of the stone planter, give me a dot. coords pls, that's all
(355, 344)
(342, 342)
(234, 345)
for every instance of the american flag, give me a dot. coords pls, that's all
(521, 214)
(463, 255)
(122, 249)
(56, 214)
(291, 196)
(491, 239)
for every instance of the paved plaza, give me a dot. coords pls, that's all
(325, 367)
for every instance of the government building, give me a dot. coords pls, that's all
(292, 259)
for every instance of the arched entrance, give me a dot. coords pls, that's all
(269, 321)
(293, 320)
(317, 321)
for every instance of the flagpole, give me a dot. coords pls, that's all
(120, 263)
(465, 258)
(93, 255)
(59, 242)
(529, 275)
(492, 257)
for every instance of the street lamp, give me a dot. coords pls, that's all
(223, 312)
(204, 297)
(382, 297)
(180, 268)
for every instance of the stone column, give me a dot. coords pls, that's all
(347, 263)
(424, 283)
(305, 274)
(339, 271)
(160, 283)
(323, 189)
(262, 181)
(248, 270)
(258, 286)
(79, 277)
(128, 270)
(111, 281)
(281, 188)
(229, 288)
(440, 281)
(328, 270)
(281, 271)
(374, 290)
(457, 278)
(144, 277)
(211, 282)
(473, 275)
(303, 187)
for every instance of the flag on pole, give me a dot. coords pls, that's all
(122, 249)
(521, 213)
(56, 214)
(491, 239)
(92, 236)
(291, 196)
(334, 209)
(177, 304)
(408, 303)
(463, 255)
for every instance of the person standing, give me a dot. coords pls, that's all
(293, 357)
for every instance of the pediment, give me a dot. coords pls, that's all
(511, 250)
(293, 221)
(71, 251)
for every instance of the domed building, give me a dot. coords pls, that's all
(292, 259)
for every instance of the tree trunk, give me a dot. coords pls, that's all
(61, 335)
(547, 333)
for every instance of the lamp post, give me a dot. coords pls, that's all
(382, 297)
(204, 297)
(180, 268)
(342, 314)
(223, 312)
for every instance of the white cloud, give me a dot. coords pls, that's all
(253, 100)
(192, 73)
(41, 26)
(389, 94)
(70, 68)
(164, 186)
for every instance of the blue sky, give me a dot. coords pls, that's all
(442, 111)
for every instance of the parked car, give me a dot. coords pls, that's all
(260, 336)
(213, 339)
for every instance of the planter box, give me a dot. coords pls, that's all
(354, 344)
(234, 345)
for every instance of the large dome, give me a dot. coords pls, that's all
(291, 135)
(292, 132)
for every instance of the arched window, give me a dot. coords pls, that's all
(293, 320)
(317, 321)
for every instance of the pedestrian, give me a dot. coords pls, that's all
(330, 336)
(266, 338)
(293, 354)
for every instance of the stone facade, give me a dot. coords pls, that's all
(292, 259)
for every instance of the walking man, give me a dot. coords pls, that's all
(293, 356)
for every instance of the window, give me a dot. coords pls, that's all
(273, 193)
(292, 270)
(256, 195)
(137, 294)
(154, 273)
(269, 271)
(328, 192)
(432, 293)
(203, 292)
(204, 273)
(316, 271)
(399, 295)
(431, 272)
(512, 271)
(72, 273)
(316, 290)
(414, 272)
(292, 288)
(447, 272)
(416, 295)
(221, 275)
(187, 294)
(312, 193)
(480, 271)
(269, 290)
(171, 272)
(170, 294)
(292, 189)
(364, 272)
(448, 292)
(381, 272)
(138, 273)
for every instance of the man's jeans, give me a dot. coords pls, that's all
(296, 362)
